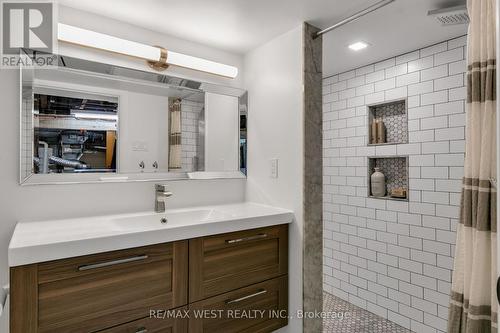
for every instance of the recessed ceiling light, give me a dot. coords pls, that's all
(358, 46)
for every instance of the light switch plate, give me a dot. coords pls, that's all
(274, 168)
(139, 146)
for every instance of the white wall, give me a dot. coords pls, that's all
(395, 258)
(273, 77)
(221, 136)
(59, 201)
(142, 121)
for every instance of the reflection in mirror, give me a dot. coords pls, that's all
(186, 149)
(88, 122)
(221, 134)
(243, 132)
(74, 132)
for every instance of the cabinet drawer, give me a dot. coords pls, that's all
(91, 293)
(152, 325)
(259, 308)
(230, 261)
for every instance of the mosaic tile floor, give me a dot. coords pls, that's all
(357, 320)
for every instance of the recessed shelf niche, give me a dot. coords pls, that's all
(395, 169)
(395, 119)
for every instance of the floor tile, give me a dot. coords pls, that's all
(355, 319)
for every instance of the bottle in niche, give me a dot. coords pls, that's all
(373, 132)
(377, 180)
(380, 131)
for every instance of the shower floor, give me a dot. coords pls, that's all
(357, 320)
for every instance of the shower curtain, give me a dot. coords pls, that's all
(473, 305)
(174, 139)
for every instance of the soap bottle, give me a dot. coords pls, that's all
(378, 183)
(373, 132)
(380, 131)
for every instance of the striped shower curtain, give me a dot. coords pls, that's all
(174, 138)
(473, 305)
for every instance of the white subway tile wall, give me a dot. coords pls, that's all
(190, 113)
(395, 258)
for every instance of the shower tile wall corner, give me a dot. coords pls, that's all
(389, 257)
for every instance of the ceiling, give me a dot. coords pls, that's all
(400, 27)
(240, 25)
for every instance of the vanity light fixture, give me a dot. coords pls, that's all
(358, 46)
(157, 57)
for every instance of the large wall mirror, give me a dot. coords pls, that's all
(83, 121)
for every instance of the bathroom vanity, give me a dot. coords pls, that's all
(204, 269)
(114, 274)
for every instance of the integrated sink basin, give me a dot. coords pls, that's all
(39, 241)
(169, 219)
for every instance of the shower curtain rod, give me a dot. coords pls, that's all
(359, 14)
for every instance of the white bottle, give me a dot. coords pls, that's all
(378, 183)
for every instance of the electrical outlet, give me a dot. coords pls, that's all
(274, 168)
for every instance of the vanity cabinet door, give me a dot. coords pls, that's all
(153, 325)
(259, 308)
(226, 262)
(91, 293)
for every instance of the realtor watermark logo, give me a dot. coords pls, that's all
(28, 36)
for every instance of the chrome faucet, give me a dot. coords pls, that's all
(161, 193)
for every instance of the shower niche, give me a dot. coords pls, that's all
(395, 170)
(388, 123)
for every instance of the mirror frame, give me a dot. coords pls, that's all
(86, 67)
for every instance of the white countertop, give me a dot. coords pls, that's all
(39, 241)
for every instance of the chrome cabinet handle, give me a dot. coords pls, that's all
(245, 239)
(111, 263)
(141, 330)
(260, 292)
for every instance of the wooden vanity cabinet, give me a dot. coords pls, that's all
(258, 308)
(96, 292)
(115, 291)
(152, 325)
(240, 274)
(226, 262)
